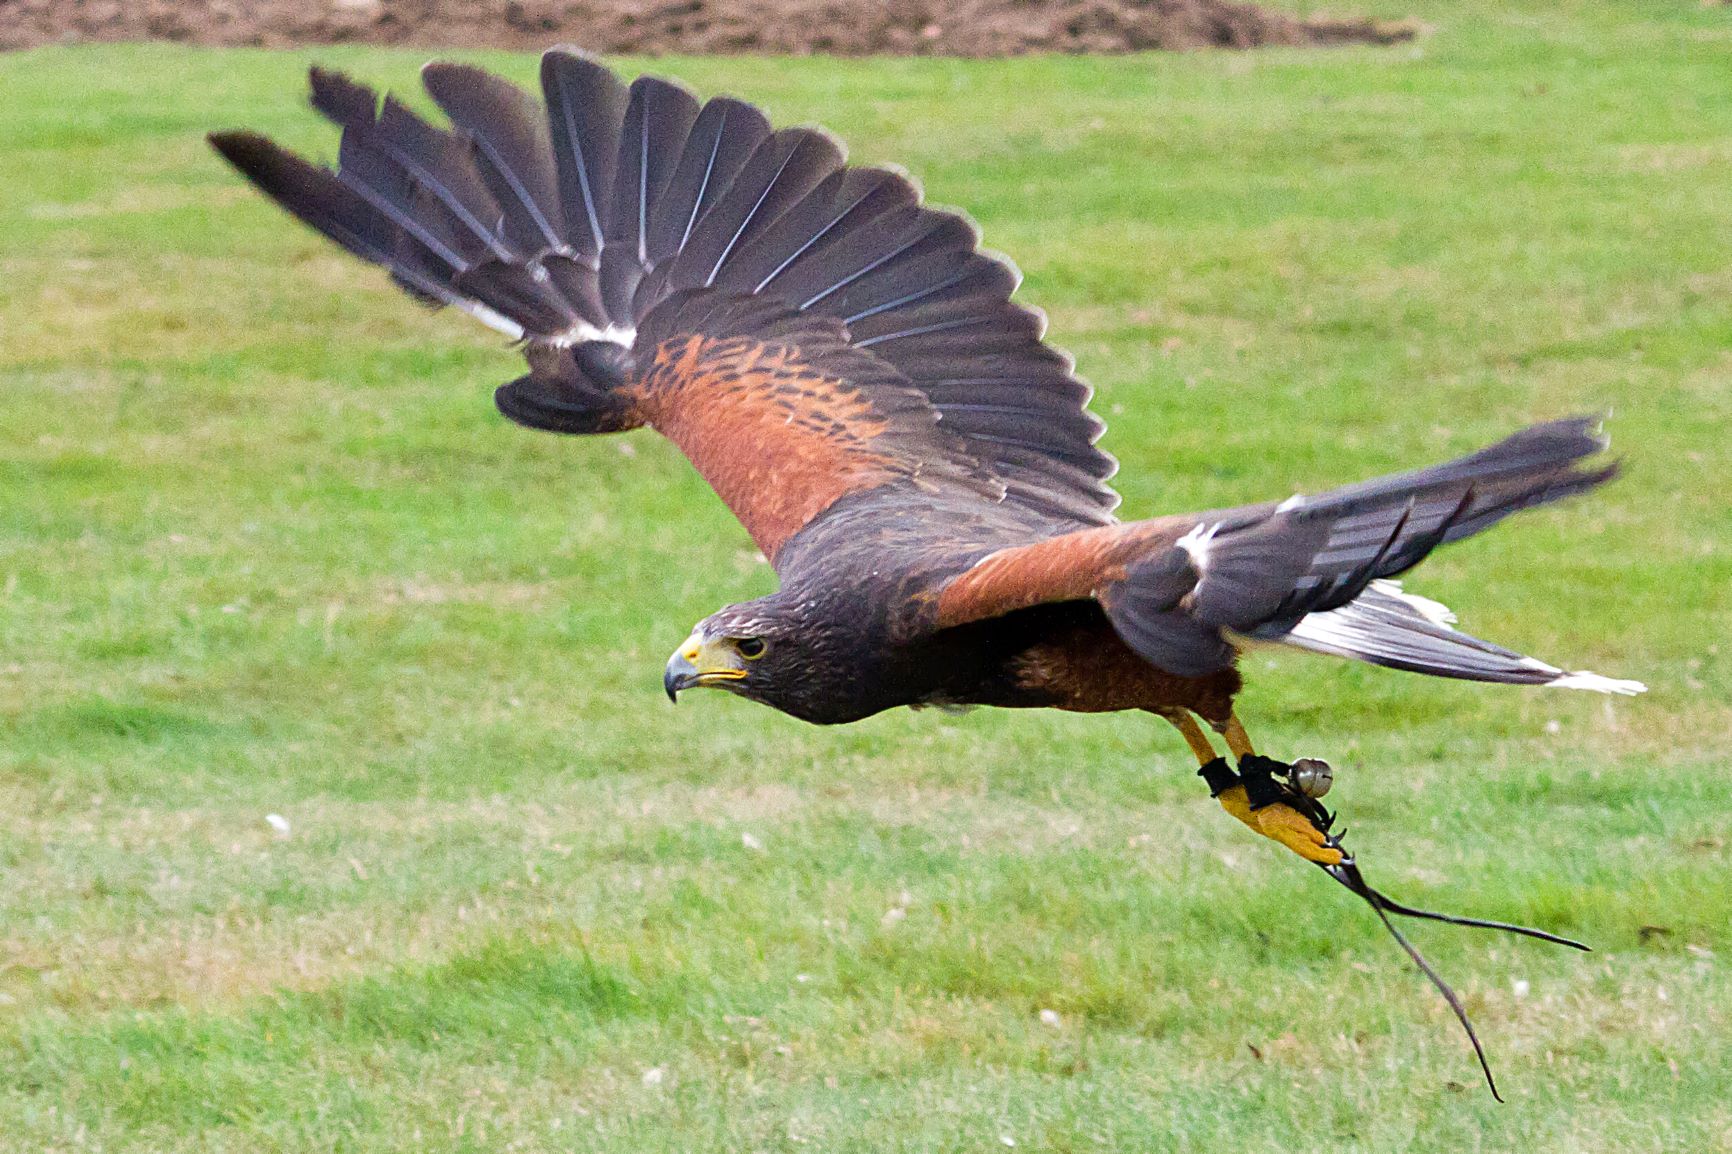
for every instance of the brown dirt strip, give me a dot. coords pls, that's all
(838, 27)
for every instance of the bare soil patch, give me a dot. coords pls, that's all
(864, 27)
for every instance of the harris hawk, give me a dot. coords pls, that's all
(845, 366)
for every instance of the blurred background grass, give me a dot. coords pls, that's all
(266, 548)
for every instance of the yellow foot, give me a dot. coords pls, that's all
(1294, 830)
(1234, 801)
(1282, 823)
(1277, 820)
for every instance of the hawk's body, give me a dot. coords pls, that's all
(847, 370)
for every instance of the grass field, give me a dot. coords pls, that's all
(265, 548)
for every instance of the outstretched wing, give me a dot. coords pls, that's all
(584, 225)
(1311, 571)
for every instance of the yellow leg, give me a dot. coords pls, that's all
(1237, 739)
(1233, 799)
(1193, 735)
(1278, 822)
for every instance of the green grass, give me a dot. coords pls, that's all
(266, 548)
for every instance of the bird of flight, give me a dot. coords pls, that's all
(846, 368)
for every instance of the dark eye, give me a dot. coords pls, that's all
(751, 648)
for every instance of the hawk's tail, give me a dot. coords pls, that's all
(1386, 626)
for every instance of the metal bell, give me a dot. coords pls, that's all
(1311, 776)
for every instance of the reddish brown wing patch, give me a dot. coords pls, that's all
(1070, 567)
(777, 438)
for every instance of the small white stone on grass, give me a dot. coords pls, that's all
(1521, 987)
(279, 823)
(653, 1076)
(751, 842)
(892, 915)
(1051, 1018)
(1007, 1139)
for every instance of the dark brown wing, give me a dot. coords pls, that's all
(575, 219)
(783, 417)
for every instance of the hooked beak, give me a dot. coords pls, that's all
(680, 674)
(700, 661)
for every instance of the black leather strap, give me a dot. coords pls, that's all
(1218, 776)
(1261, 788)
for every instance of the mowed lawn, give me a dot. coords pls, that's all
(266, 549)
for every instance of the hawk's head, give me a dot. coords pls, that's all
(782, 651)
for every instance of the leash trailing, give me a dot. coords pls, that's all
(1300, 785)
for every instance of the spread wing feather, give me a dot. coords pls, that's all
(577, 222)
(658, 122)
(585, 108)
(724, 137)
(317, 197)
(844, 202)
(783, 170)
(510, 135)
(395, 154)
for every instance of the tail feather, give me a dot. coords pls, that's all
(1387, 627)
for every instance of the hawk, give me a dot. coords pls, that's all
(847, 369)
